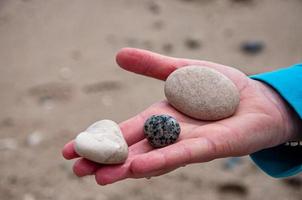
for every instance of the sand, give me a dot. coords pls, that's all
(58, 75)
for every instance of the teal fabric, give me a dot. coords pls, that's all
(283, 160)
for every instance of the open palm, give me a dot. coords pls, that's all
(261, 121)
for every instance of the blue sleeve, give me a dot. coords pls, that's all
(283, 160)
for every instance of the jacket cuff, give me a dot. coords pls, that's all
(283, 160)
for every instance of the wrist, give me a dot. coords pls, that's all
(291, 120)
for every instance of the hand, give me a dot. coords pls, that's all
(262, 120)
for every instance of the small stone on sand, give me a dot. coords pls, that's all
(252, 47)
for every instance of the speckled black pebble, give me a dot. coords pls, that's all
(161, 130)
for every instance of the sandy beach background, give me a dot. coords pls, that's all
(58, 75)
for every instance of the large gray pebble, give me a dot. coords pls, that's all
(202, 93)
(102, 142)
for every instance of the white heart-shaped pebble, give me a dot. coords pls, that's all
(102, 142)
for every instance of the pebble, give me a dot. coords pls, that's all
(34, 138)
(102, 142)
(154, 7)
(8, 144)
(65, 73)
(7, 122)
(193, 43)
(161, 130)
(202, 93)
(167, 47)
(252, 47)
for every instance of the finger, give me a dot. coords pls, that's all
(110, 174)
(84, 167)
(158, 66)
(149, 164)
(172, 157)
(147, 63)
(68, 151)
